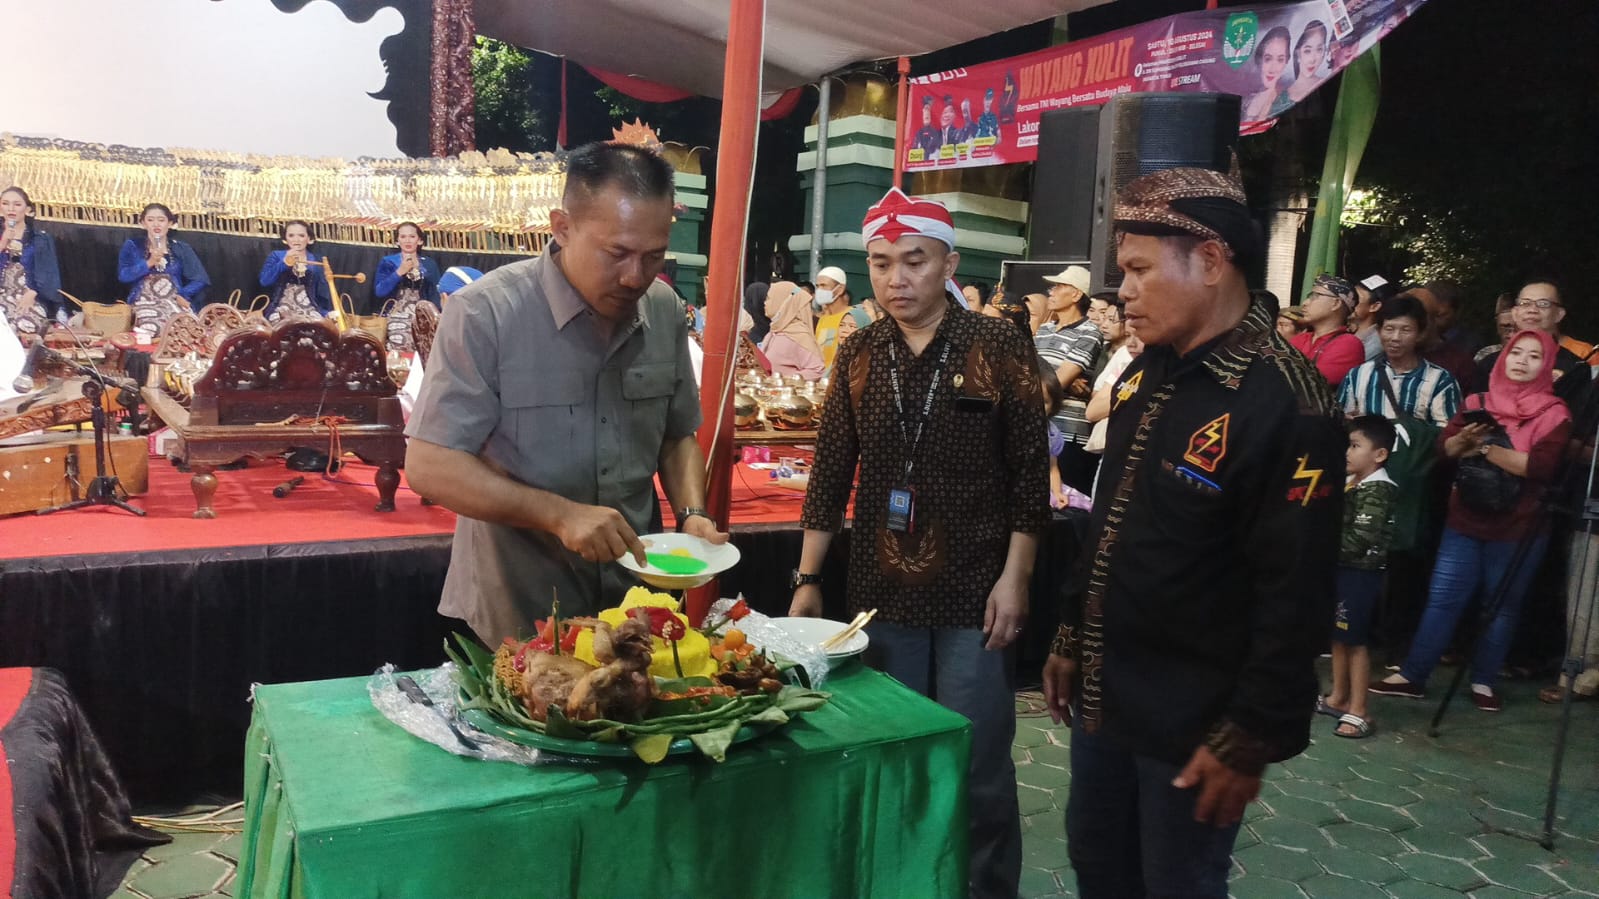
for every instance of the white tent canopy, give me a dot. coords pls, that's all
(682, 42)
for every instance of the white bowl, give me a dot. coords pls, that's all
(813, 631)
(717, 559)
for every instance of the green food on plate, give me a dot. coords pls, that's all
(674, 564)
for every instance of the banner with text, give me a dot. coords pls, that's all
(1271, 56)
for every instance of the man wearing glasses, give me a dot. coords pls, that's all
(1328, 344)
(1538, 307)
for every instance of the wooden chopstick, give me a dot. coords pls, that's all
(848, 629)
(840, 638)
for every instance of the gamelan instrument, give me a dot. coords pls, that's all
(302, 384)
(776, 409)
(333, 288)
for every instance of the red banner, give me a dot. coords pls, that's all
(1271, 56)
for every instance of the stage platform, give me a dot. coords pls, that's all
(162, 624)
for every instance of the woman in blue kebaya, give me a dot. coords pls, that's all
(163, 275)
(30, 281)
(405, 279)
(294, 278)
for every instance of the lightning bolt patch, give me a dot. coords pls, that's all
(1311, 477)
(1208, 445)
(1128, 388)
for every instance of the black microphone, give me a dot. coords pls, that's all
(23, 383)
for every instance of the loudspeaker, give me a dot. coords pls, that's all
(1061, 214)
(1143, 133)
(1022, 278)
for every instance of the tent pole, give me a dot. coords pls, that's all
(735, 173)
(819, 178)
(901, 118)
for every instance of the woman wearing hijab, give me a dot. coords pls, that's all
(1526, 438)
(755, 305)
(791, 344)
(748, 355)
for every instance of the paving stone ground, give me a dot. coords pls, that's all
(1400, 815)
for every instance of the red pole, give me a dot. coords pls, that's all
(560, 129)
(901, 120)
(735, 172)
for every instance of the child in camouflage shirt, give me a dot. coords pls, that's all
(1362, 557)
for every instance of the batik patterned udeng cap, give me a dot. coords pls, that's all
(1149, 200)
(1338, 287)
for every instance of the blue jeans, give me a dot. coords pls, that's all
(951, 667)
(1464, 567)
(1130, 833)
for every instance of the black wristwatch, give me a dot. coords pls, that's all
(683, 515)
(799, 579)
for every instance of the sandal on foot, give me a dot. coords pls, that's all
(1555, 693)
(1325, 708)
(1363, 727)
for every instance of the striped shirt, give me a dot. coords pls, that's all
(1426, 392)
(1080, 343)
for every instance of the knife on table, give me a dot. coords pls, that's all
(415, 693)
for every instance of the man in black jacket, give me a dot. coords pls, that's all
(1186, 661)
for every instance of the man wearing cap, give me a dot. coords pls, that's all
(1070, 342)
(927, 138)
(1370, 294)
(1328, 344)
(832, 301)
(988, 123)
(1186, 660)
(559, 388)
(940, 408)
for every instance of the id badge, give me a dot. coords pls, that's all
(901, 511)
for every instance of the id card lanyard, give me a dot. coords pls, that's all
(911, 443)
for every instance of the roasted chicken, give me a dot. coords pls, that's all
(620, 689)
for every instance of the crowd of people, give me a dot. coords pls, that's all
(164, 276)
(1202, 425)
(1488, 442)
(1449, 446)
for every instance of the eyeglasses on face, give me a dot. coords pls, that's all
(1529, 303)
(1322, 295)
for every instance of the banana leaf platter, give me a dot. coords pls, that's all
(709, 725)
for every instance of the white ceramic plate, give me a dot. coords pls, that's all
(811, 631)
(717, 559)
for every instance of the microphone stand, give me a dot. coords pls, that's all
(103, 489)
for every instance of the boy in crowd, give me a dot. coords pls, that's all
(1362, 556)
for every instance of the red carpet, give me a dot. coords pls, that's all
(318, 510)
(247, 515)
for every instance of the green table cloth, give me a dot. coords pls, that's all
(863, 797)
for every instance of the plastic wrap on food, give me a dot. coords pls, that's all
(434, 723)
(774, 641)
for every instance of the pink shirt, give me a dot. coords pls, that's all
(789, 358)
(1334, 355)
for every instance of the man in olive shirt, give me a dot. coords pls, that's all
(1190, 654)
(556, 390)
